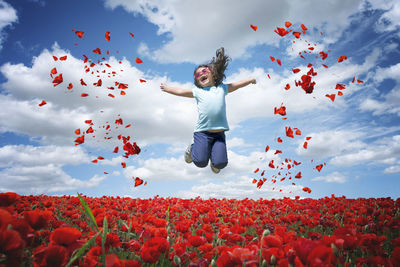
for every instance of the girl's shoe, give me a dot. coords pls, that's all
(215, 170)
(188, 154)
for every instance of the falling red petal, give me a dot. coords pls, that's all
(42, 103)
(266, 148)
(123, 164)
(53, 71)
(83, 83)
(78, 131)
(254, 27)
(70, 86)
(298, 132)
(79, 140)
(306, 189)
(339, 93)
(281, 31)
(287, 87)
(107, 36)
(115, 150)
(58, 79)
(142, 81)
(289, 132)
(55, 58)
(319, 167)
(359, 81)
(111, 95)
(279, 62)
(84, 95)
(281, 110)
(340, 86)
(331, 96)
(305, 145)
(325, 66)
(138, 181)
(295, 70)
(132, 34)
(122, 86)
(272, 59)
(63, 58)
(97, 51)
(342, 58)
(288, 24)
(279, 140)
(298, 175)
(256, 170)
(79, 34)
(138, 60)
(323, 55)
(297, 34)
(304, 28)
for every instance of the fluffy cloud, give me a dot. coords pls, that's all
(8, 16)
(38, 170)
(239, 188)
(335, 177)
(190, 23)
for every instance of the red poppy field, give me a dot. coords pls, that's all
(115, 231)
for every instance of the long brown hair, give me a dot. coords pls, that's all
(217, 67)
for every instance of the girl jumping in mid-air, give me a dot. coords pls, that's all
(209, 134)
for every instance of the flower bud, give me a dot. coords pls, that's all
(266, 232)
(177, 260)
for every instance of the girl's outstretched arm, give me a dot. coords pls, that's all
(236, 85)
(176, 91)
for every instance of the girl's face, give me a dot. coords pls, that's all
(204, 77)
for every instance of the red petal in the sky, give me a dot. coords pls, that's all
(279, 140)
(138, 60)
(279, 62)
(359, 81)
(331, 96)
(97, 51)
(271, 164)
(266, 148)
(58, 79)
(254, 181)
(289, 132)
(281, 31)
(340, 86)
(55, 58)
(123, 164)
(83, 83)
(63, 58)
(70, 86)
(319, 167)
(287, 87)
(142, 81)
(253, 27)
(111, 95)
(42, 103)
(296, 70)
(325, 66)
(304, 28)
(288, 24)
(306, 189)
(281, 110)
(341, 58)
(84, 95)
(138, 181)
(339, 93)
(308, 138)
(305, 144)
(277, 152)
(53, 71)
(297, 34)
(122, 86)
(107, 36)
(129, 125)
(132, 34)
(298, 175)
(272, 58)
(298, 132)
(86, 59)
(79, 34)
(256, 170)
(99, 83)
(79, 140)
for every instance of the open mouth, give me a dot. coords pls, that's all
(203, 79)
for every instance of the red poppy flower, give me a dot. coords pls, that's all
(38, 219)
(65, 236)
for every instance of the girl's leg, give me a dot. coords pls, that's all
(201, 149)
(219, 157)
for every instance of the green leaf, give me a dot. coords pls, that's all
(88, 211)
(81, 251)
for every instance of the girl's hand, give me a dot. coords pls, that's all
(164, 87)
(253, 80)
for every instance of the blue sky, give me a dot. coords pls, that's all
(357, 136)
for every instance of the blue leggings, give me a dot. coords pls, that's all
(208, 145)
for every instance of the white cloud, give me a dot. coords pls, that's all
(335, 177)
(227, 23)
(8, 16)
(240, 188)
(384, 151)
(38, 170)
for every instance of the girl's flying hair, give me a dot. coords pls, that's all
(217, 66)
